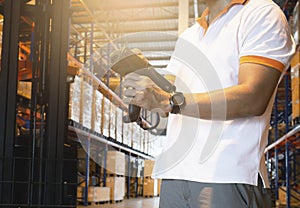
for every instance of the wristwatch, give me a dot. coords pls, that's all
(177, 102)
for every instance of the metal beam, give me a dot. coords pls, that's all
(86, 134)
(123, 30)
(57, 103)
(283, 139)
(125, 5)
(8, 90)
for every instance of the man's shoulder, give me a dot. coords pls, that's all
(258, 10)
(190, 31)
(257, 4)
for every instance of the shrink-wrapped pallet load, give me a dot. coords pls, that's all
(127, 134)
(86, 105)
(97, 112)
(119, 124)
(150, 187)
(74, 100)
(115, 163)
(136, 137)
(117, 188)
(112, 121)
(106, 116)
(95, 194)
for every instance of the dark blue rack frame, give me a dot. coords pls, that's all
(282, 148)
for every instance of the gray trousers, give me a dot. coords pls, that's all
(187, 194)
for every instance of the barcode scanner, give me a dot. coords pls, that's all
(125, 61)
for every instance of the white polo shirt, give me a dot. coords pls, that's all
(207, 58)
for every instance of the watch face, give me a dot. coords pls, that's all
(178, 99)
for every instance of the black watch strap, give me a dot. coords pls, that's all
(175, 109)
(177, 102)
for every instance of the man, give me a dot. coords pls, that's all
(228, 66)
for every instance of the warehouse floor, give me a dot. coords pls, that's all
(131, 203)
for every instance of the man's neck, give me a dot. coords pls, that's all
(215, 7)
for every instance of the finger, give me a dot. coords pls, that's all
(127, 100)
(133, 76)
(138, 78)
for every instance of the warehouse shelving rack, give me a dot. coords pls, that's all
(50, 156)
(282, 153)
(37, 173)
(52, 184)
(86, 135)
(283, 150)
(100, 73)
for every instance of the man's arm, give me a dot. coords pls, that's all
(249, 98)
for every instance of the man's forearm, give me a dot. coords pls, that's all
(227, 104)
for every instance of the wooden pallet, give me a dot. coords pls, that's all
(115, 201)
(149, 196)
(114, 175)
(94, 203)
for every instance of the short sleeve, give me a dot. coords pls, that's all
(266, 38)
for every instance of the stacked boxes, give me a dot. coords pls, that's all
(136, 138)
(86, 105)
(92, 110)
(148, 168)
(24, 89)
(115, 167)
(95, 194)
(117, 188)
(106, 116)
(119, 123)
(112, 121)
(97, 112)
(115, 163)
(127, 133)
(150, 187)
(146, 142)
(74, 101)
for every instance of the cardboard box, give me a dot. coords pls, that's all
(127, 134)
(97, 112)
(115, 163)
(158, 186)
(282, 197)
(119, 124)
(74, 100)
(150, 187)
(106, 116)
(95, 194)
(86, 105)
(117, 188)
(146, 142)
(148, 168)
(136, 138)
(112, 121)
(24, 89)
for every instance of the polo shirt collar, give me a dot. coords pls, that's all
(202, 21)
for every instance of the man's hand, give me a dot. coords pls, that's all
(142, 91)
